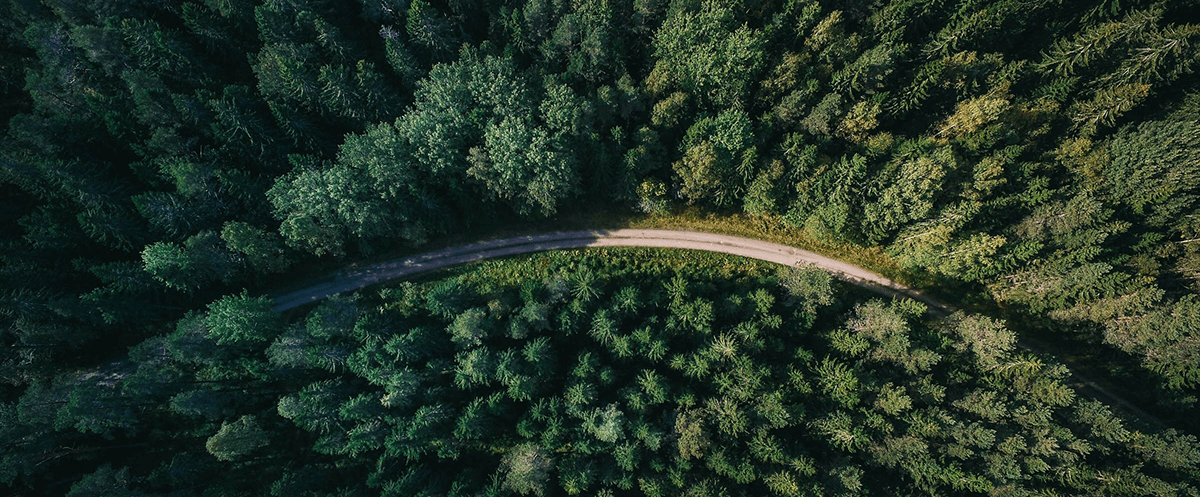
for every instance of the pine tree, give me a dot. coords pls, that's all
(237, 319)
(987, 339)
(237, 440)
(527, 468)
(263, 250)
(430, 29)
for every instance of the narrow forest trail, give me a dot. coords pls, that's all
(358, 277)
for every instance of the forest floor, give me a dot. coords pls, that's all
(353, 278)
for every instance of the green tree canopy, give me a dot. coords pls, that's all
(237, 440)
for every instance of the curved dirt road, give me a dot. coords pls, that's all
(352, 279)
(355, 278)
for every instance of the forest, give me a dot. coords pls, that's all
(165, 164)
(608, 372)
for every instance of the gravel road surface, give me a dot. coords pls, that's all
(352, 279)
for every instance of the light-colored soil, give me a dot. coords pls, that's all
(353, 279)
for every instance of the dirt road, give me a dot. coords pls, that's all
(352, 279)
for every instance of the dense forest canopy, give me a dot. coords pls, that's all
(602, 373)
(160, 155)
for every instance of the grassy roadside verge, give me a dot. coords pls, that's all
(772, 230)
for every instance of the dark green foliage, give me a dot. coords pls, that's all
(698, 372)
(242, 319)
(326, 206)
(527, 469)
(486, 129)
(704, 49)
(201, 261)
(237, 439)
(156, 155)
(105, 481)
(1155, 170)
(719, 159)
(263, 250)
